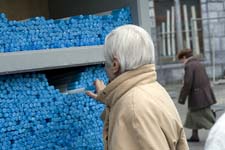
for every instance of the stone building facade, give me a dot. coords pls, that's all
(211, 26)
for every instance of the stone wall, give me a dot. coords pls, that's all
(214, 29)
(213, 25)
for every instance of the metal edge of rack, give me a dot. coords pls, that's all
(37, 60)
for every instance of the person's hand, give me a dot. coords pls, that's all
(99, 86)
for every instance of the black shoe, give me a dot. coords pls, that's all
(193, 140)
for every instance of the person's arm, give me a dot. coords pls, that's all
(188, 79)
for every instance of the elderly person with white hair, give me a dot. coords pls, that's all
(215, 139)
(139, 114)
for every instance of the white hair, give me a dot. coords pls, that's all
(131, 45)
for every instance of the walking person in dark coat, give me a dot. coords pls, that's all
(196, 87)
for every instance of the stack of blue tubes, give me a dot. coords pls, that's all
(38, 33)
(35, 115)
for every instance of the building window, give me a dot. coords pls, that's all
(166, 28)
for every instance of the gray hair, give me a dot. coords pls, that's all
(131, 45)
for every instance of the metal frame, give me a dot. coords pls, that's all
(27, 61)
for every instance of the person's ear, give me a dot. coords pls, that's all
(116, 66)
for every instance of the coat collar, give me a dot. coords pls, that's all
(192, 58)
(124, 82)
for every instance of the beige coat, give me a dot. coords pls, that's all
(140, 114)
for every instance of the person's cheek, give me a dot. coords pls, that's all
(108, 73)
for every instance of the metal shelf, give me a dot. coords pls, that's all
(27, 61)
(38, 60)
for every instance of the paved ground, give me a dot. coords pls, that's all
(219, 91)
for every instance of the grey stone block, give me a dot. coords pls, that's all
(205, 14)
(206, 44)
(216, 28)
(207, 56)
(204, 9)
(213, 14)
(223, 43)
(215, 42)
(215, 6)
(205, 27)
(220, 29)
(220, 55)
(222, 14)
(224, 5)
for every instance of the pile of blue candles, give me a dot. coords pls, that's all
(38, 33)
(36, 116)
(33, 114)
